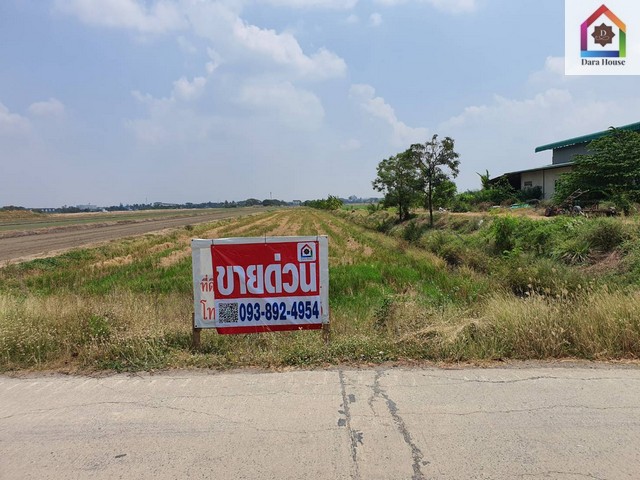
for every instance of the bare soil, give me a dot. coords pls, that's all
(53, 241)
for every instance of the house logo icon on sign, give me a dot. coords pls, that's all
(307, 252)
(593, 41)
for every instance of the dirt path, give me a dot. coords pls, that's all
(51, 243)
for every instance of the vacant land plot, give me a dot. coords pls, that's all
(57, 233)
(470, 289)
(25, 222)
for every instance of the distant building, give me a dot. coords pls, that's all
(564, 152)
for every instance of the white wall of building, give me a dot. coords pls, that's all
(550, 179)
(546, 179)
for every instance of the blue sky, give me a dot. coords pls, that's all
(108, 101)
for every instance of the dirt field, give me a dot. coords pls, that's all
(23, 245)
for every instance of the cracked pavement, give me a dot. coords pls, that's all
(385, 423)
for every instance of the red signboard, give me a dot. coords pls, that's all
(251, 285)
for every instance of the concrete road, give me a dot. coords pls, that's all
(531, 423)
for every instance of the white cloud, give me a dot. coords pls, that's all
(292, 106)
(511, 111)
(352, 19)
(170, 121)
(52, 107)
(12, 123)
(186, 46)
(243, 43)
(183, 88)
(449, 6)
(402, 134)
(552, 74)
(329, 4)
(237, 40)
(555, 65)
(266, 103)
(169, 124)
(375, 19)
(161, 16)
(188, 90)
(216, 61)
(284, 49)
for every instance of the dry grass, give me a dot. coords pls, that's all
(75, 330)
(390, 300)
(600, 326)
(7, 216)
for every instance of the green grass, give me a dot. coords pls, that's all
(470, 289)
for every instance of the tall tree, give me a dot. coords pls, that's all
(436, 160)
(399, 180)
(610, 172)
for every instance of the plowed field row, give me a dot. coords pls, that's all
(43, 243)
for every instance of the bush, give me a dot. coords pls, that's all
(373, 208)
(384, 225)
(413, 231)
(331, 203)
(503, 230)
(605, 234)
(573, 251)
(525, 275)
(459, 224)
(529, 193)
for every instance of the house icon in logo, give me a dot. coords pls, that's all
(306, 252)
(603, 35)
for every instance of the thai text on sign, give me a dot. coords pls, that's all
(268, 284)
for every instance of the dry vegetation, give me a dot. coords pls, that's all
(474, 288)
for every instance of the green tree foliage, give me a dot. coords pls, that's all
(436, 161)
(501, 191)
(330, 203)
(444, 194)
(334, 203)
(530, 193)
(610, 172)
(399, 180)
(268, 202)
(485, 180)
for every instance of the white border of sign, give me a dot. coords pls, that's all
(203, 266)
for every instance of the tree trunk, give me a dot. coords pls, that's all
(429, 199)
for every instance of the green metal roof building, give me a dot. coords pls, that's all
(585, 139)
(563, 154)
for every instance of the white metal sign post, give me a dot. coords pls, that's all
(266, 284)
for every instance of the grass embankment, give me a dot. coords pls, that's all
(11, 216)
(473, 288)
